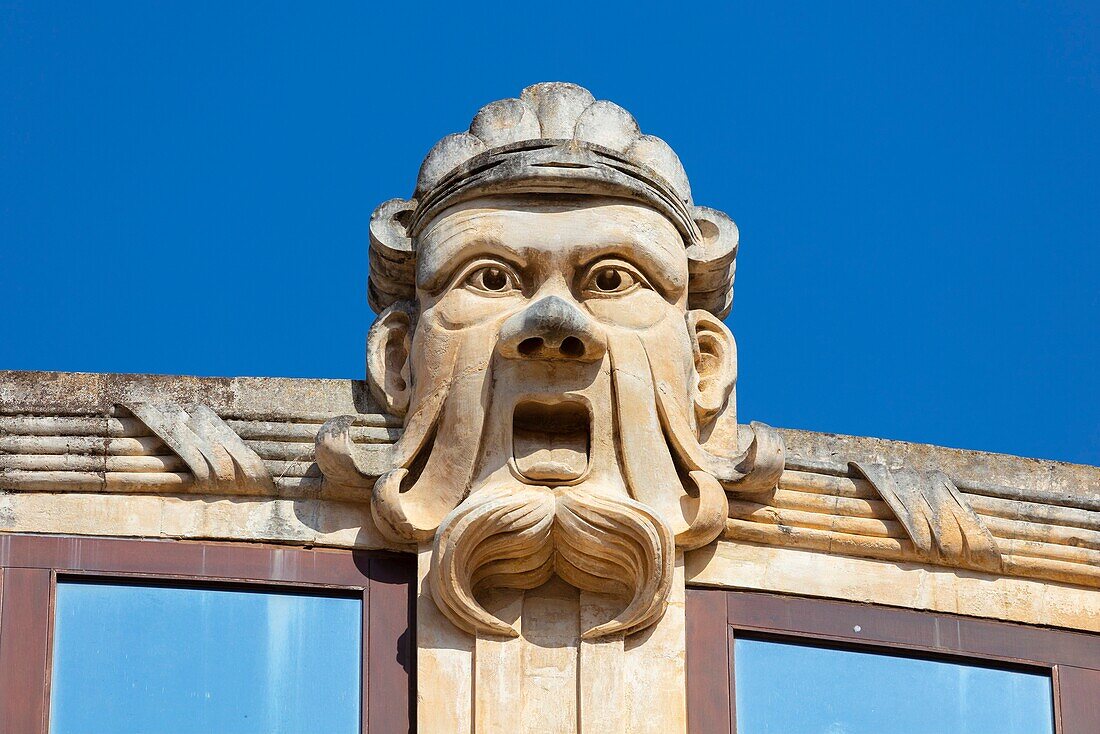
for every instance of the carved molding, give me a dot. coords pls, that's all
(1039, 529)
(867, 510)
(158, 446)
(141, 447)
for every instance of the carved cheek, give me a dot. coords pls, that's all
(460, 309)
(437, 339)
(642, 309)
(670, 341)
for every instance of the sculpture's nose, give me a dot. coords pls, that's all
(551, 328)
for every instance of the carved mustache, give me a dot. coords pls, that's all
(516, 536)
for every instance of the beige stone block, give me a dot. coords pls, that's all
(444, 664)
(601, 670)
(314, 522)
(913, 586)
(498, 668)
(549, 646)
(655, 666)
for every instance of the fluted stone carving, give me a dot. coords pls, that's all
(150, 446)
(216, 456)
(76, 440)
(938, 521)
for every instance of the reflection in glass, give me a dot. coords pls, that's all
(787, 688)
(130, 659)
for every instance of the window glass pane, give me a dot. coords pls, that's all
(784, 687)
(182, 660)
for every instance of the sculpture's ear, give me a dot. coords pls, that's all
(392, 257)
(388, 364)
(716, 363)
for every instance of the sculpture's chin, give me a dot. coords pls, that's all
(551, 441)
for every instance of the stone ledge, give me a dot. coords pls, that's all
(75, 459)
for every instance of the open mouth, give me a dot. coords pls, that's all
(550, 441)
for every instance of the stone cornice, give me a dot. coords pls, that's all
(154, 444)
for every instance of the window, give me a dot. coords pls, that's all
(770, 664)
(785, 687)
(108, 635)
(136, 658)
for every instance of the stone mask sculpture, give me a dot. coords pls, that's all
(549, 329)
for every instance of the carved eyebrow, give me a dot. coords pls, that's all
(444, 260)
(651, 259)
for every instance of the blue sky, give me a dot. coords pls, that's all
(185, 187)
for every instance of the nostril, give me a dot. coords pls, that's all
(529, 346)
(571, 346)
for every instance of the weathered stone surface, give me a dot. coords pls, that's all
(299, 522)
(1035, 480)
(252, 398)
(68, 433)
(740, 565)
(64, 432)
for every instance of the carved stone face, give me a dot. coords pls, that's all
(541, 290)
(554, 385)
(549, 330)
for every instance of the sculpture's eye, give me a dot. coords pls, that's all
(612, 279)
(491, 279)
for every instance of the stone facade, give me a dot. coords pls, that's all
(549, 423)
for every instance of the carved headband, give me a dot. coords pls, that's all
(555, 167)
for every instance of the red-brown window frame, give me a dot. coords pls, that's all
(716, 616)
(30, 566)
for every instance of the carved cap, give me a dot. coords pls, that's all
(554, 111)
(555, 139)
